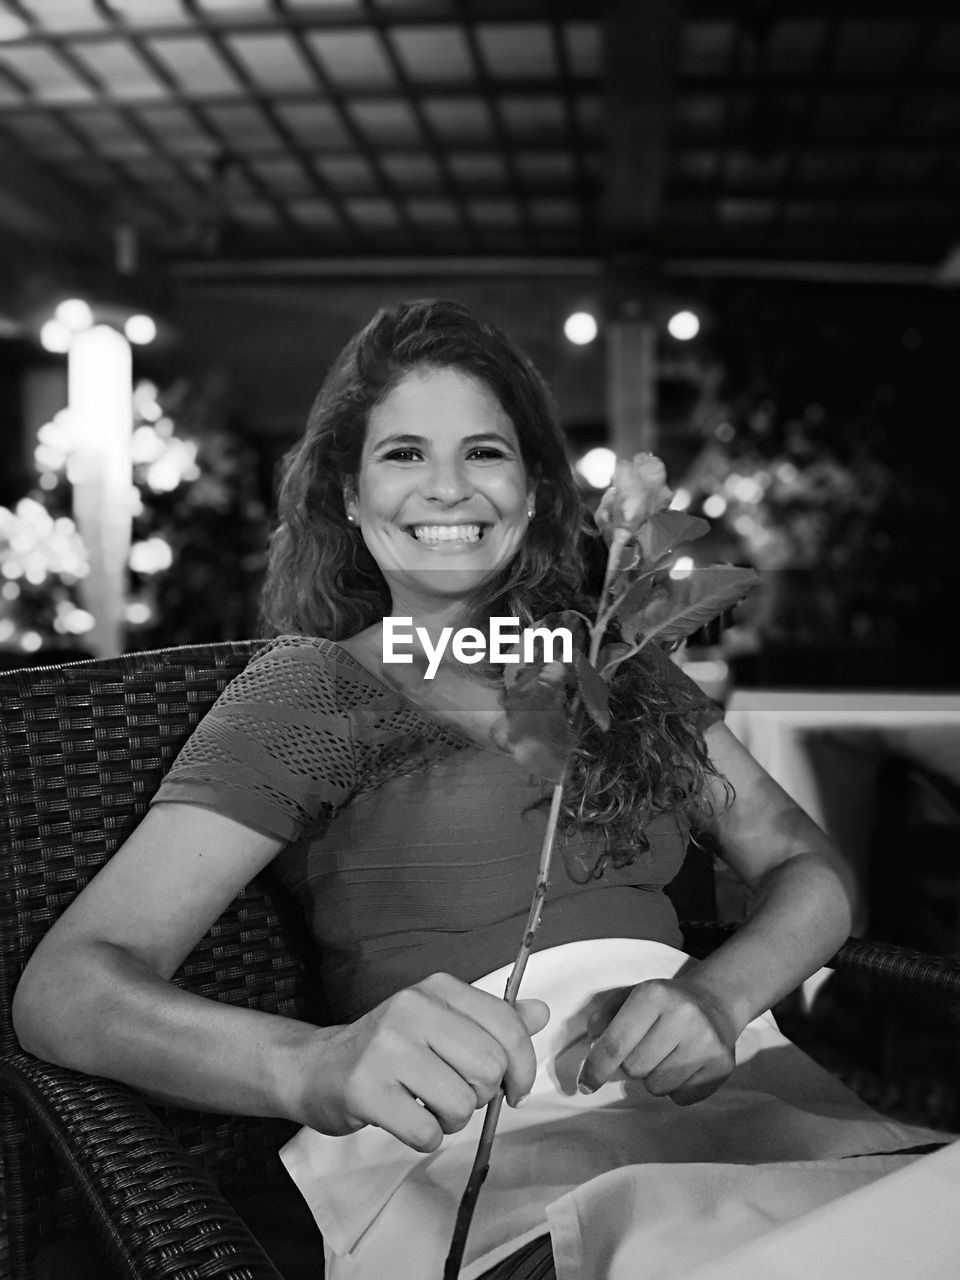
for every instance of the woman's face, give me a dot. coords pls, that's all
(442, 495)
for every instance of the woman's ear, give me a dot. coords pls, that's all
(350, 504)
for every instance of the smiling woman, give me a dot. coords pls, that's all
(432, 484)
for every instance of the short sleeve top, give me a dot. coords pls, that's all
(410, 848)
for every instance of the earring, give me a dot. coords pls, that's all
(351, 518)
(530, 513)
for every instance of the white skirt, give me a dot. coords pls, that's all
(674, 1184)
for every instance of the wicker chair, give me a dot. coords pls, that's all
(82, 749)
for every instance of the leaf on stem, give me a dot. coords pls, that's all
(538, 732)
(666, 530)
(594, 692)
(675, 611)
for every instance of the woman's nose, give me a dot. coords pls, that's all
(447, 481)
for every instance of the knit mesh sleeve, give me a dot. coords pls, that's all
(276, 750)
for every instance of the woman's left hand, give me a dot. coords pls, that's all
(674, 1038)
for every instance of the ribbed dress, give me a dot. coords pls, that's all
(410, 848)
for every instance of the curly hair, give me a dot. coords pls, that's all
(322, 580)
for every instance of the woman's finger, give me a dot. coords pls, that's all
(628, 1028)
(482, 1037)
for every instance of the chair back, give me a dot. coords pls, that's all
(83, 748)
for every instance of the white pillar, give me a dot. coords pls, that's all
(100, 396)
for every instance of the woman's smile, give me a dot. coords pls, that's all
(448, 537)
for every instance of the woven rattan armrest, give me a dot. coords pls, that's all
(155, 1212)
(895, 968)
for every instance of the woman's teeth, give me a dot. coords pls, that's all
(446, 532)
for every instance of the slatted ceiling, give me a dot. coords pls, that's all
(944, 52)
(700, 113)
(746, 212)
(386, 122)
(373, 213)
(111, 133)
(432, 54)
(227, 10)
(43, 75)
(148, 13)
(433, 212)
(746, 168)
(273, 62)
(348, 173)
(810, 213)
(583, 48)
(284, 176)
(353, 59)
(478, 169)
(66, 15)
(44, 137)
(849, 116)
(120, 70)
(491, 212)
(258, 214)
(410, 171)
(479, 126)
(939, 114)
(195, 66)
(459, 120)
(533, 120)
(180, 129)
(873, 46)
(316, 125)
(589, 109)
(706, 47)
(902, 166)
(555, 212)
(315, 214)
(522, 50)
(334, 6)
(540, 167)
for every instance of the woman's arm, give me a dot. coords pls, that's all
(679, 1035)
(96, 997)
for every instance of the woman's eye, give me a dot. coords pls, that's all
(486, 452)
(402, 455)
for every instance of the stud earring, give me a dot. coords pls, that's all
(352, 519)
(530, 513)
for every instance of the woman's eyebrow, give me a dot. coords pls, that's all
(403, 439)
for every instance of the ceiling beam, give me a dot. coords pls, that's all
(642, 53)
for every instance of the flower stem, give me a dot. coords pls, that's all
(481, 1161)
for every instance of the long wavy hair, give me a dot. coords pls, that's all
(322, 580)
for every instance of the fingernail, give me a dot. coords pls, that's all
(521, 1100)
(583, 1087)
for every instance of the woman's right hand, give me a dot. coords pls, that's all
(419, 1064)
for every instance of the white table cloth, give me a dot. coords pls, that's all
(385, 1210)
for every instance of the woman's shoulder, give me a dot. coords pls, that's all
(292, 668)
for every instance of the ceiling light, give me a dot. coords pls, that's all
(140, 329)
(55, 337)
(683, 325)
(580, 328)
(597, 466)
(75, 314)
